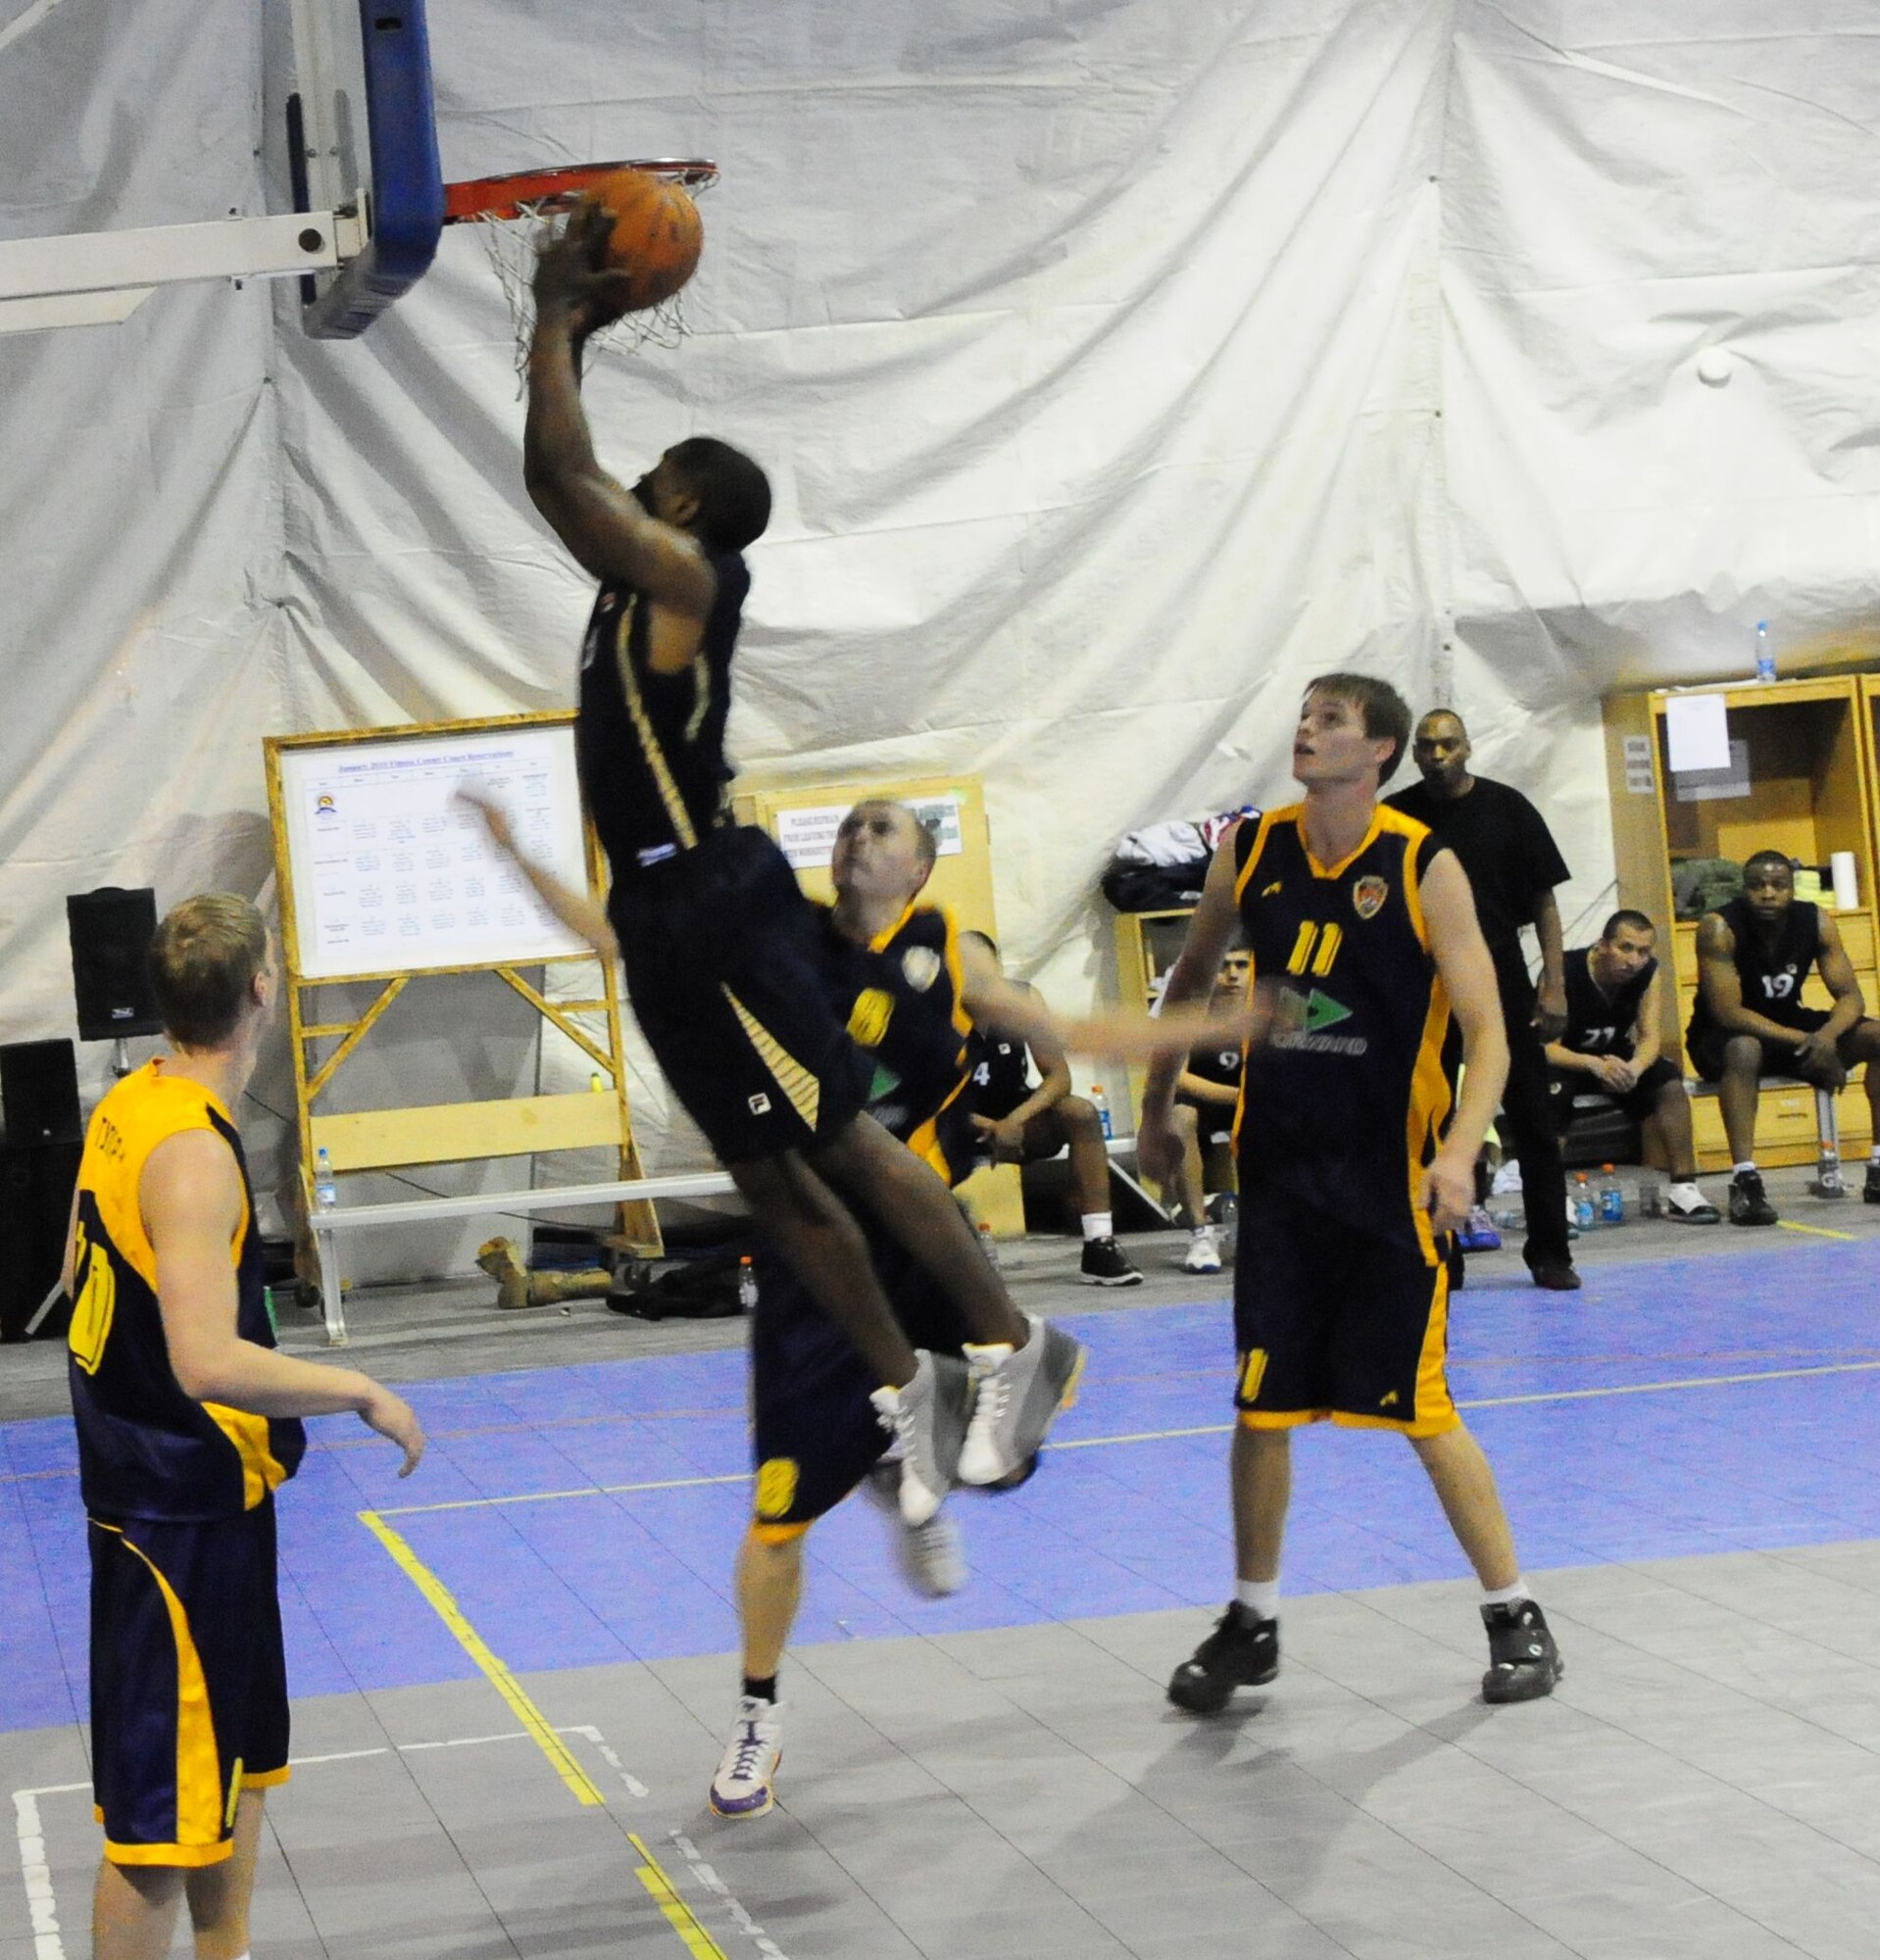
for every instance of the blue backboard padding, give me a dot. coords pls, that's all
(408, 180)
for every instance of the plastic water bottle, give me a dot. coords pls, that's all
(1650, 1197)
(988, 1245)
(1611, 1198)
(1100, 1102)
(1584, 1213)
(1764, 652)
(747, 1285)
(325, 1190)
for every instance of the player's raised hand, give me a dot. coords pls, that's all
(573, 278)
(495, 817)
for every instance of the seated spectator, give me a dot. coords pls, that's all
(1748, 1020)
(1206, 1095)
(1610, 1046)
(1023, 1122)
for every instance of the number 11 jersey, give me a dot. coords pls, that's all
(1346, 1099)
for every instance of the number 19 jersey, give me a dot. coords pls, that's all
(1345, 1101)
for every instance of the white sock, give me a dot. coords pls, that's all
(1873, 1156)
(1506, 1595)
(1748, 1164)
(1097, 1225)
(1261, 1596)
(1204, 1230)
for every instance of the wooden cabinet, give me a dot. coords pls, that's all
(1810, 748)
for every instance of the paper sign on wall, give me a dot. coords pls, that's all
(806, 836)
(1697, 729)
(1638, 766)
(1717, 785)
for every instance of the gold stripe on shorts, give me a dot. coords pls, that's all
(804, 1091)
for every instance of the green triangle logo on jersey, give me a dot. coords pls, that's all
(1322, 1012)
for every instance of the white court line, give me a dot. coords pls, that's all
(37, 1872)
(711, 1883)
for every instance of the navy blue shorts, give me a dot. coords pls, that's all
(189, 1682)
(1330, 1321)
(728, 973)
(816, 1432)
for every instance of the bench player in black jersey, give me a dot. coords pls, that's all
(1749, 1020)
(188, 1422)
(1019, 1121)
(722, 953)
(1207, 1103)
(1610, 1048)
(1355, 1164)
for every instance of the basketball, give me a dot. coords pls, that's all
(656, 238)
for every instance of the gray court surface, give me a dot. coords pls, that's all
(1704, 1782)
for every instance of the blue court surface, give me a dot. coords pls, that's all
(588, 1515)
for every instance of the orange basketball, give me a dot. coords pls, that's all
(656, 238)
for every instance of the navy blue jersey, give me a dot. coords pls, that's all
(651, 746)
(1772, 976)
(902, 994)
(1598, 1023)
(146, 1449)
(1344, 1101)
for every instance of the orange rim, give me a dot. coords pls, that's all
(517, 193)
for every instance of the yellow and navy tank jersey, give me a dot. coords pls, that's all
(146, 1450)
(650, 747)
(902, 995)
(1344, 1102)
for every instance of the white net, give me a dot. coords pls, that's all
(511, 244)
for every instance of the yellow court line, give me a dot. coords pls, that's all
(441, 1601)
(1815, 1230)
(699, 1943)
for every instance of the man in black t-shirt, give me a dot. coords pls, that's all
(1749, 1020)
(1513, 865)
(1610, 1048)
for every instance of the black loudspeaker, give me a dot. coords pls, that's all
(39, 1091)
(110, 931)
(36, 1182)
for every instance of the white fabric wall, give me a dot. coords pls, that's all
(1119, 365)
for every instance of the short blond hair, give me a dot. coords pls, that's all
(203, 963)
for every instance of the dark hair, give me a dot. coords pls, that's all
(1757, 858)
(733, 493)
(1384, 711)
(1623, 917)
(203, 961)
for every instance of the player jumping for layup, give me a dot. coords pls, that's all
(1354, 1169)
(724, 954)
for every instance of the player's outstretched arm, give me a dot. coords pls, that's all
(1468, 978)
(580, 912)
(597, 517)
(191, 1193)
(1211, 931)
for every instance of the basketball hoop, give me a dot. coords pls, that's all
(512, 212)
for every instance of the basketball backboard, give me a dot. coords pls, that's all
(358, 138)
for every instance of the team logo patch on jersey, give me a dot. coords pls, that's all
(1270, 888)
(1369, 895)
(868, 1018)
(921, 966)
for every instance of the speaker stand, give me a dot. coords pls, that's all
(121, 1058)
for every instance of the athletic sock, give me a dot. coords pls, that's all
(1748, 1164)
(1098, 1225)
(1506, 1595)
(765, 1690)
(1873, 1156)
(1258, 1596)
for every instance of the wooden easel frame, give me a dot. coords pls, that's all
(401, 1139)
